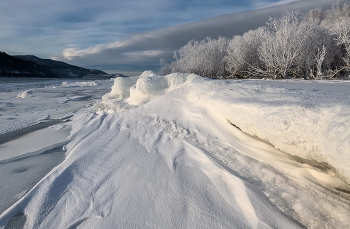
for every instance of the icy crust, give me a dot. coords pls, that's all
(308, 119)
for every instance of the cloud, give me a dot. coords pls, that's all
(118, 35)
(46, 27)
(263, 4)
(142, 51)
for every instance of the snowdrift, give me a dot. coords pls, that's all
(25, 94)
(161, 153)
(308, 119)
(141, 89)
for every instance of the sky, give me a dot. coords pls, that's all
(127, 36)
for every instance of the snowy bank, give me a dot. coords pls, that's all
(308, 119)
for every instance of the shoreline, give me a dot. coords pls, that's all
(13, 135)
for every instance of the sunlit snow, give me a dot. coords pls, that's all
(182, 151)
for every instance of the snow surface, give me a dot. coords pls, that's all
(310, 120)
(164, 152)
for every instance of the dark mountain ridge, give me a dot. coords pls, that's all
(32, 66)
(11, 66)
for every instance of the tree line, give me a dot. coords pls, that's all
(315, 45)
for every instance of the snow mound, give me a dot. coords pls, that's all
(142, 89)
(79, 84)
(25, 94)
(121, 88)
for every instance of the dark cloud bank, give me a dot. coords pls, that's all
(142, 51)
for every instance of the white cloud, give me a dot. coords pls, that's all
(263, 4)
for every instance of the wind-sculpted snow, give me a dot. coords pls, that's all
(134, 170)
(308, 119)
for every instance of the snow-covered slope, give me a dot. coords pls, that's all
(161, 153)
(308, 119)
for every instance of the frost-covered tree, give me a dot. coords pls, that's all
(319, 58)
(205, 57)
(165, 67)
(242, 52)
(337, 21)
(315, 15)
(286, 46)
(170, 68)
(315, 45)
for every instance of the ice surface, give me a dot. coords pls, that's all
(78, 84)
(20, 174)
(26, 102)
(34, 141)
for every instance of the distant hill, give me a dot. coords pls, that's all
(32, 66)
(11, 66)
